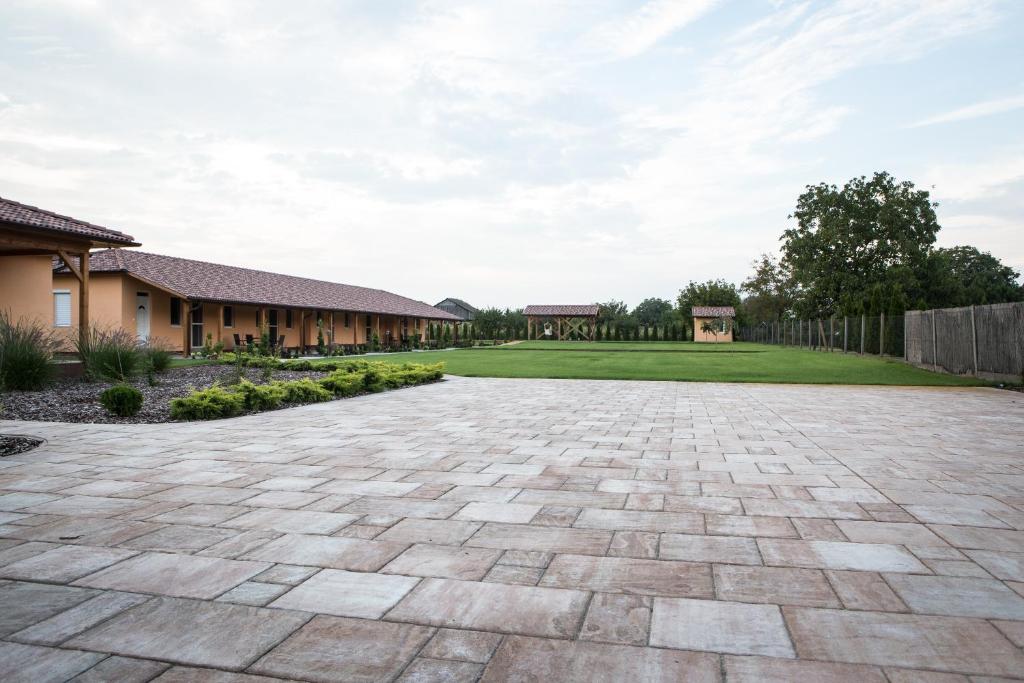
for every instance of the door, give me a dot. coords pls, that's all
(272, 326)
(196, 316)
(142, 316)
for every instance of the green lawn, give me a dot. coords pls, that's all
(189, 362)
(739, 362)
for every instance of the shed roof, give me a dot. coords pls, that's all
(202, 281)
(714, 312)
(458, 302)
(579, 310)
(36, 219)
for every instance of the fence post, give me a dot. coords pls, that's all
(974, 340)
(935, 346)
(881, 334)
(846, 331)
(905, 335)
(863, 329)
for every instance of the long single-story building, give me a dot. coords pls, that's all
(183, 303)
(718, 317)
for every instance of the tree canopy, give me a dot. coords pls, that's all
(652, 311)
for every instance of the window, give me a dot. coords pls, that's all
(62, 308)
(348, 320)
(288, 318)
(229, 316)
(197, 337)
(175, 311)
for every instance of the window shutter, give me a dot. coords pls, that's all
(62, 309)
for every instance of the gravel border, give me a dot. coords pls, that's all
(12, 444)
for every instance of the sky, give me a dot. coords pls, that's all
(506, 153)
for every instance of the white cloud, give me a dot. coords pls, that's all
(974, 111)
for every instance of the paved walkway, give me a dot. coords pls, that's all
(527, 530)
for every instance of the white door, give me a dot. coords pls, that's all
(142, 316)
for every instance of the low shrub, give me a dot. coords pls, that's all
(208, 404)
(122, 400)
(112, 354)
(156, 357)
(252, 360)
(304, 391)
(26, 354)
(261, 396)
(342, 383)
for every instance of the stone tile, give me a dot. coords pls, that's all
(889, 532)
(917, 676)
(556, 515)
(846, 495)
(402, 507)
(717, 626)
(183, 576)
(735, 525)
(865, 591)
(179, 537)
(290, 500)
(952, 644)
(436, 531)
(1006, 540)
(95, 531)
(446, 562)
(62, 626)
(956, 568)
(536, 659)
(292, 521)
(641, 520)
(254, 593)
(423, 670)
(1006, 566)
(774, 585)
(182, 674)
(837, 555)
(25, 604)
(526, 558)
(288, 574)
(193, 632)
(512, 513)
(15, 551)
(238, 545)
(290, 483)
(10, 502)
(122, 670)
(622, 619)
(507, 573)
(727, 549)
(347, 594)
(85, 506)
(631, 576)
(205, 495)
(503, 608)
(1014, 630)
(638, 544)
(802, 508)
(818, 530)
(774, 670)
(334, 648)
(543, 539)
(64, 563)
(465, 646)
(480, 494)
(958, 596)
(199, 515)
(703, 504)
(580, 499)
(326, 551)
(34, 664)
(368, 488)
(949, 515)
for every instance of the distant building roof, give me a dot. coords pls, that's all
(581, 310)
(16, 213)
(202, 281)
(458, 302)
(714, 312)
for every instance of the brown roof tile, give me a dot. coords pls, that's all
(714, 312)
(202, 281)
(20, 214)
(581, 310)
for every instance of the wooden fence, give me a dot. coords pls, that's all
(983, 341)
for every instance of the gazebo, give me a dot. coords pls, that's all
(561, 321)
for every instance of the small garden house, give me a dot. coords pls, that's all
(713, 323)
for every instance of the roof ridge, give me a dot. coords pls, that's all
(64, 217)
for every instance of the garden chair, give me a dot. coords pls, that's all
(238, 341)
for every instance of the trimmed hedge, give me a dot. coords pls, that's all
(122, 400)
(347, 378)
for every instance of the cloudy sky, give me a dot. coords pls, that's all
(559, 151)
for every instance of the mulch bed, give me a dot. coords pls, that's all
(12, 444)
(74, 400)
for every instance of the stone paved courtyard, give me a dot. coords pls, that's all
(542, 530)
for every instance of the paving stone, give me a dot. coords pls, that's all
(205, 495)
(631, 576)
(956, 568)
(423, 670)
(184, 576)
(703, 504)
(60, 627)
(818, 530)
(503, 608)
(536, 659)
(436, 531)
(238, 545)
(466, 646)
(254, 593)
(199, 515)
(402, 507)
(95, 531)
(512, 513)
(526, 558)
(290, 500)
(622, 619)
(640, 520)
(182, 674)
(448, 562)
(290, 483)
(1014, 630)
(326, 551)
(727, 549)
(338, 649)
(580, 499)
(889, 532)
(802, 508)
(864, 591)
(35, 664)
(1005, 540)
(958, 596)
(774, 585)
(774, 670)
(954, 644)
(1006, 566)
(347, 594)
(179, 537)
(86, 506)
(25, 604)
(288, 574)
(199, 633)
(507, 573)
(717, 626)
(543, 539)
(64, 563)
(122, 670)
(368, 488)
(15, 551)
(735, 525)
(917, 676)
(837, 555)
(638, 544)
(292, 521)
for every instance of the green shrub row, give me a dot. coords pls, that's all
(347, 379)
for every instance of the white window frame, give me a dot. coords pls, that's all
(56, 321)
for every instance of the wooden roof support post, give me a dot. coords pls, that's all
(83, 298)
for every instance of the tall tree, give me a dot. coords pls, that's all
(770, 290)
(978, 277)
(651, 311)
(848, 240)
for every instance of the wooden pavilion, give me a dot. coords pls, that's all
(561, 321)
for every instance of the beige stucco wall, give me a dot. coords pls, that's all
(701, 336)
(26, 289)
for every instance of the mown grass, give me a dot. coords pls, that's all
(678, 361)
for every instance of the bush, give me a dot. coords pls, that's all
(261, 396)
(207, 404)
(156, 357)
(122, 400)
(304, 391)
(342, 383)
(112, 354)
(26, 354)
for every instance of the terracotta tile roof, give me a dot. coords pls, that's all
(202, 281)
(20, 214)
(458, 302)
(563, 309)
(714, 312)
